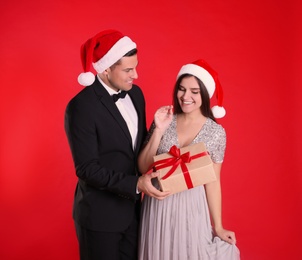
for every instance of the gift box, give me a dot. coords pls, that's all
(184, 168)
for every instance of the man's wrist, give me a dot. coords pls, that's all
(137, 190)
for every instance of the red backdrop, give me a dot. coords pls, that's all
(254, 45)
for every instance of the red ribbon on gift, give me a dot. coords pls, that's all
(175, 161)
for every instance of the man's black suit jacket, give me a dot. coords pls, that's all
(105, 162)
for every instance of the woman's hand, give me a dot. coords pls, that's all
(163, 117)
(226, 235)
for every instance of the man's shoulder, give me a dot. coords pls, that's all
(136, 90)
(83, 96)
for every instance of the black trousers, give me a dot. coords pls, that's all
(95, 245)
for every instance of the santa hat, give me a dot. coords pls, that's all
(209, 77)
(101, 52)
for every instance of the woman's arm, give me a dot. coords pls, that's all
(213, 192)
(162, 119)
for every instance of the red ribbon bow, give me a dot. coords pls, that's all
(175, 161)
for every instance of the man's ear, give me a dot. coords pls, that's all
(106, 72)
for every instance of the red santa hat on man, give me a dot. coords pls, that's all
(101, 52)
(209, 78)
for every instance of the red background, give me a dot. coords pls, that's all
(254, 45)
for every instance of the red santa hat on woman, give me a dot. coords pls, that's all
(209, 78)
(101, 52)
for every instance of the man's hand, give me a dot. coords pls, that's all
(144, 185)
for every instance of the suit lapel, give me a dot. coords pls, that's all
(106, 100)
(140, 115)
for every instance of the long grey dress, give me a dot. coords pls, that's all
(179, 227)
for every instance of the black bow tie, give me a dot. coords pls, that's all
(122, 94)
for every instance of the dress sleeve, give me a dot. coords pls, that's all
(217, 145)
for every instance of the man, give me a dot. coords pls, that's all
(105, 133)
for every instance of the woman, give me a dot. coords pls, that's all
(188, 224)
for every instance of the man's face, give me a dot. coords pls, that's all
(121, 76)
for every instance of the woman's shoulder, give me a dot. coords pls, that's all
(214, 126)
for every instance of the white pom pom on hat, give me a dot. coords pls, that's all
(209, 77)
(218, 111)
(101, 52)
(86, 78)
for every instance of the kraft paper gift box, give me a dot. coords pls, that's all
(184, 168)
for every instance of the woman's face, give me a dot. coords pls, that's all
(188, 95)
